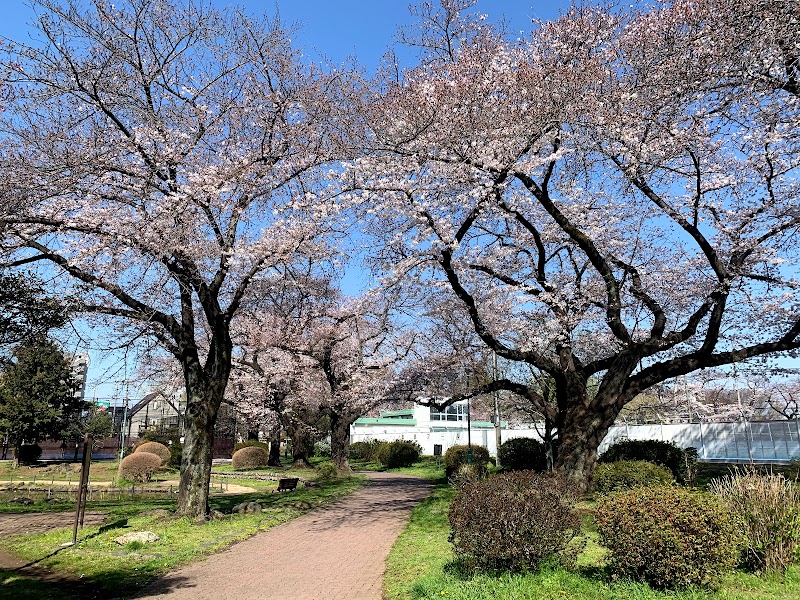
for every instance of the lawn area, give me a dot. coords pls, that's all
(421, 567)
(115, 569)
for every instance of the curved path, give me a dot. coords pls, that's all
(335, 553)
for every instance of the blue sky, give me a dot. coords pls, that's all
(333, 29)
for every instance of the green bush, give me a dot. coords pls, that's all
(322, 449)
(400, 453)
(168, 437)
(521, 454)
(457, 456)
(29, 454)
(513, 521)
(250, 444)
(140, 466)
(465, 474)
(156, 448)
(366, 451)
(250, 457)
(669, 537)
(628, 474)
(327, 470)
(768, 508)
(657, 452)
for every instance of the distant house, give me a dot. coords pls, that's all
(156, 410)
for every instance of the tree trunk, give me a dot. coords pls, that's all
(203, 402)
(579, 438)
(302, 446)
(275, 448)
(340, 442)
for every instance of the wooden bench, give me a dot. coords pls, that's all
(287, 484)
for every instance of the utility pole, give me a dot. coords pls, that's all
(497, 424)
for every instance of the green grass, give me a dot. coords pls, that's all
(421, 566)
(98, 559)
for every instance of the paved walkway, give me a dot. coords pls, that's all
(25, 523)
(335, 553)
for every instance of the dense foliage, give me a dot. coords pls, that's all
(366, 450)
(669, 537)
(139, 466)
(455, 456)
(629, 474)
(156, 448)
(518, 454)
(513, 521)
(657, 452)
(767, 508)
(400, 453)
(250, 444)
(250, 457)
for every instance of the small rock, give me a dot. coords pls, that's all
(21, 500)
(137, 536)
(216, 515)
(247, 508)
(310, 484)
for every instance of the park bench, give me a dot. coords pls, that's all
(287, 484)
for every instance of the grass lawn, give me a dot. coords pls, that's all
(116, 569)
(420, 566)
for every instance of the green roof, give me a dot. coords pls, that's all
(406, 412)
(383, 421)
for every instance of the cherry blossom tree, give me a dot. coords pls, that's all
(166, 156)
(612, 199)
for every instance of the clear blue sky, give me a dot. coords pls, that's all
(334, 29)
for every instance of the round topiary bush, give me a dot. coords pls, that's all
(661, 453)
(513, 521)
(629, 474)
(523, 454)
(457, 456)
(250, 457)
(669, 537)
(250, 444)
(327, 470)
(156, 448)
(29, 454)
(140, 466)
(399, 453)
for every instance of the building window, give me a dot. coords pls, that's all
(454, 412)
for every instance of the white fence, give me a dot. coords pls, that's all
(767, 441)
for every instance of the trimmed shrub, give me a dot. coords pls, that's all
(250, 444)
(657, 452)
(629, 474)
(250, 457)
(322, 449)
(29, 453)
(169, 438)
(327, 470)
(521, 454)
(669, 537)
(513, 521)
(140, 466)
(768, 507)
(465, 474)
(366, 451)
(457, 456)
(400, 453)
(156, 448)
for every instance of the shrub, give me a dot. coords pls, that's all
(250, 444)
(513, 521)
(670, 537)
(457, 456)
(170, 438)
(250, 457)
(519, 454)
(690, 457)
(628, 474)
(29, 453)
(327, 470)
(399, 453)
(768, 507)
(465, 474)
(322, 449)
(661, 453)
(367, 450)
(140, 466)
(159, 450)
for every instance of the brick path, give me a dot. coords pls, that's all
(24, 523)
(335, 553)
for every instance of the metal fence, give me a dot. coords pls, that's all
(741, 441)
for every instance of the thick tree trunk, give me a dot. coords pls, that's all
(340, 442)
(302, 446)
(275, 448)
(198, 449)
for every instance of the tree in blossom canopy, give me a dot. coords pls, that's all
(613, 199)
(161, 157)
